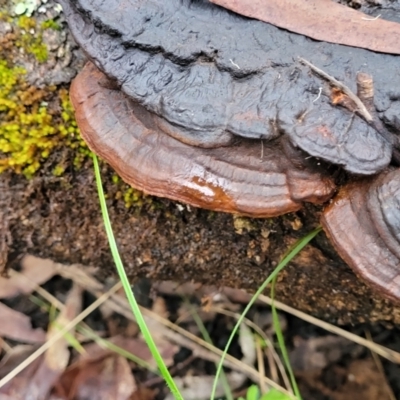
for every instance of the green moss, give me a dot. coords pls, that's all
(26, 23)
(5, 17)
(115, 179)
(33, 121)
(30, 38)
(69, 130)
(50, 24)
(29, 131)
(131, 196)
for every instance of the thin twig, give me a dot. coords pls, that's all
(360, 105)
(319, 95)
(58, 335)
(371, 19)
(384, 352)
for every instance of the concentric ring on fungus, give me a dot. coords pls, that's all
(234, 179)
(212, 75)
(362, 223)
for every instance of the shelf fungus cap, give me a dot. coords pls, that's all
(214, 79)
(363, 223)
(247, 178)
(340, 138)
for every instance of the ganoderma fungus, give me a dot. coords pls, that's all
(204, 106)
(213, 75)
(244, 178)
(363, 223)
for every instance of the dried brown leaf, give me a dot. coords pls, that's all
(17, 388)
(57, 356)
(135, 346)
(106, 378)
(360, 379)
(35, 271)
(322, 20)
(143, 393)
(15, 357)
(316, 353)
(17, 326)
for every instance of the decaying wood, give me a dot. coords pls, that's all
(60, 218)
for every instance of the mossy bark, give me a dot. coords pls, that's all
(59, 218)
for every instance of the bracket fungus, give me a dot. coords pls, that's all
(363, 223)
(238, 179)
(213, 75)
(192, 102)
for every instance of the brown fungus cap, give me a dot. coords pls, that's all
(212, 75)
(246, 178)
(363, 223)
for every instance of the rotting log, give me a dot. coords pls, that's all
(60, 218)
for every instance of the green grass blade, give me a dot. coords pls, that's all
(281, 342)
(90, 334)
(105, 343)
(295, 249)
(127, 288)
(207, 338)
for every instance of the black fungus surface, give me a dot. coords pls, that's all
(212, 74)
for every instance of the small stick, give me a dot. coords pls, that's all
(360, 105)
(365, 91)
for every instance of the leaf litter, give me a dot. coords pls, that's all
(322, 20)
(103, 364)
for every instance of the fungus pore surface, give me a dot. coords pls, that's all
(213, 75)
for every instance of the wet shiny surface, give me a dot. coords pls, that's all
(245, 178)
(356, 224)
(213, 75)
